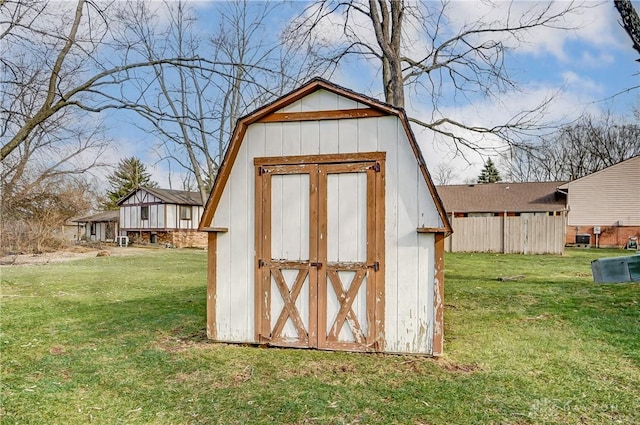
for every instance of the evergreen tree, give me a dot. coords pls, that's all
(129, 174)
(489, 173)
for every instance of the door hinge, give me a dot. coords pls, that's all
(318, 265)
(375, 167)
(375, 266)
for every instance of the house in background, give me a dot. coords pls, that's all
(162, 216)
(506, 217)
(72, 230)
(605, 206)
(325, 229)
(500, 199)
(100, 227)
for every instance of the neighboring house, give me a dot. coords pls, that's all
(498, 199)
(524, 218)
(605, 205)
(71, 230)
(162, 216)
(100, 227)
(325, 229)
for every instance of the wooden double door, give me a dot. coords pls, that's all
(320, 251)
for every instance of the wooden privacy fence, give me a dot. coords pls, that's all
(510, 235)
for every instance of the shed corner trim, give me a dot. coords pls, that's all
(214, 229)
(442, 230)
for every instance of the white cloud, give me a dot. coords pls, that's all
(593, 43)
(593, 24)
(566, 106)
(578, 84)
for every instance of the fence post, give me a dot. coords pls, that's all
(504, 232)
(451, 236)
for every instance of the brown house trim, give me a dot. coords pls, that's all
(379, 276)
(212, 264)
(321, 159)
(438, 298)
(425, 172)
(432, 230)
(339, 114)
(312, 86)
(214, 229)
(318, 334)
(257, 295)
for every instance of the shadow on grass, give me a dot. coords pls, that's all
(152, 313)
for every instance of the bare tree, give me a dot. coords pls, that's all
(421, 55)
(193, 111)
(46, 180)
(444, 173)
(60, 59)
(573, 151)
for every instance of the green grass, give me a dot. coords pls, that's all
(120, 340)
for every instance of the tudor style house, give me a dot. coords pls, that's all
(162, 216)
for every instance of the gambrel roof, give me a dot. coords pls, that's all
(276, 111)
(168, 196)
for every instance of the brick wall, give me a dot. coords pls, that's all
(189, 238)
(179, 238)
(610, 236)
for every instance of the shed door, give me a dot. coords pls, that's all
(319, 256)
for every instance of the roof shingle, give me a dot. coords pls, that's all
(500, 197)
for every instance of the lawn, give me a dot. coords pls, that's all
(121, 340)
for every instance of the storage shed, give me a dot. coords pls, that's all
(325, 229)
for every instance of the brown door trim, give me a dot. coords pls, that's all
(322, 276)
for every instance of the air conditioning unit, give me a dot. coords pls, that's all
(583, 239)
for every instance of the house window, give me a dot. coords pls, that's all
(185, 212)
(93, 229)
(144, 213)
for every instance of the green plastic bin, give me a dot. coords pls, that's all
(616, 269)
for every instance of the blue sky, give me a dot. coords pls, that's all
(586, 69)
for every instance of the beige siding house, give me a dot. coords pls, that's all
(325, 229)
(162, 216)
(605, 204)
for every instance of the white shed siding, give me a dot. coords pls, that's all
(409, 256)
(609, 197)
(322, 100)
(236, 248)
